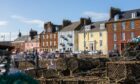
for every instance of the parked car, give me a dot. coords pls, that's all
(93, 52)
(77, 52)
(114, 53)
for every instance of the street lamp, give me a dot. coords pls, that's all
(84, 37)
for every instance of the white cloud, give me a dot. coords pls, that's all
(29, 21)
(3, 23)
(96, 16)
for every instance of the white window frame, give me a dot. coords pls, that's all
(123, 36)
(101, 43)
(123, 25)
(102, 26)
(133, 15)
(132, 35)
(116, 17)
(115, 46)
(54, 43)
(47, 36)
(114, 26)
(50, 36)
(50, 43)
(91, 34)
(100, 34)
(47, 43)
(54, 35)
(115, 37)
(132, 24)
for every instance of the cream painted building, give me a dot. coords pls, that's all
(95, 38)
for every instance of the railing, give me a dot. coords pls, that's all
(62, 44)
(70, 44)
(70, 36)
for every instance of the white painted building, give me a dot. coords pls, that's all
(68, 36)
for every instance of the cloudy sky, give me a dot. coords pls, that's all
(23, 15)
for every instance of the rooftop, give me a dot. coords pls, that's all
(95, 26)
(71, 27)
(22, 38)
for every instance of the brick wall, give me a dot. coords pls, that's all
(50, 42)
(119, 31)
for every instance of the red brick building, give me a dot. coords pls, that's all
(122, 27)
(49, 37)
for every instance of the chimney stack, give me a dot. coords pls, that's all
(33, 33)
(114, 11)
(66, 23)
(85, 21)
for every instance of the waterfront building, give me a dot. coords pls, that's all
(68, 35)
(49, 37)
(122, 27)
(93, 38)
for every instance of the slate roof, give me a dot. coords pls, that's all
(22, 38)
(71, 27)
(127, 14)
(95, 26)
(36, 39)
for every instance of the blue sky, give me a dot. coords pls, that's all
(23, 15)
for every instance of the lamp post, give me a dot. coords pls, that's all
(84, 38)
(36, 57)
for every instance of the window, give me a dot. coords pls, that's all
(123, 36)
(101, 43)
(56, 28)
(132, 35)
(114, 26)
(50, 36)
(47, 36)
(115, 46)
(100, 34)
(84, 42)
(133, 15)
(54, 35)
(91, 35)
(50, 43)
(115, 37)
(123, 25)
(42, 36)
(49, 30)
(47, 43)
(42, 43)
(54, 43)
(91, 46)
(132, 24)
(116, 17)
(102, 26)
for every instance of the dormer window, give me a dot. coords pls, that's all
(87, 27)
(102, 26)
(134, 15)
(56, 28)
(49, 29)
(116, 17)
